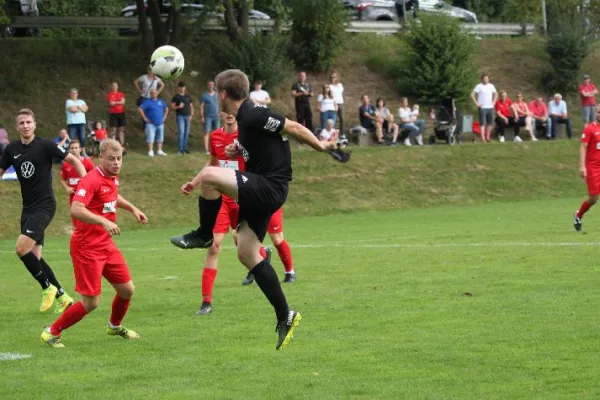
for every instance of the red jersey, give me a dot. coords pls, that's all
(504, 107)
(69, 174)
(521, 107)
(99, 193)
(115, 96)
(587, 101)
(101, 134)
(538, 110)
(219, 139)
(591, 136)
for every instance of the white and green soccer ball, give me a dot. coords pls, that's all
(167, 62)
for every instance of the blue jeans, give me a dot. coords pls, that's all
(154, 133)
(211, 123)
(183, 132)
(77, 131)
(328, 115)
(414, 128)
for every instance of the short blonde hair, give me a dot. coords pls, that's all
(25, 111)
(110, 144)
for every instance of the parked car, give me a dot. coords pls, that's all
(439, 7)
(191, 9)
(387, 10)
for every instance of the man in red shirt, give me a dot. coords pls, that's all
(505, 116)
(69, 178)
(589, 167)
(116, 111)
(93, 251)
(588, 92)
(539, 115)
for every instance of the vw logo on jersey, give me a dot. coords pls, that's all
(27, 169)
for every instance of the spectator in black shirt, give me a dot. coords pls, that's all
(260, 190)
(184, 112)
(31, 157)
(302, 93)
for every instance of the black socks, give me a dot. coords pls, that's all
(50, 275)
(34, 267)
(267, 280)
(208, 210)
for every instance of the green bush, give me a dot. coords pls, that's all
(318, 32)
(260, 57)
(438, 61)
(84, 8)
(567, 49)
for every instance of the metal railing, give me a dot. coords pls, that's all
(378, 27)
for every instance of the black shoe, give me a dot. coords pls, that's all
(285, 329)
(248, 279)
(577, 223)
(205, 308)
(289, 277)
(192, 240)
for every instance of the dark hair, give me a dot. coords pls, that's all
(258, 82)
(484, 75)
(378, 100)
(181, 84)
(234, 82)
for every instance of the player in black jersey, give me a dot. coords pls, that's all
(31, 157)
(260, 190)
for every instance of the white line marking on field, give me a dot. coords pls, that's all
(169, 278)
(13, 356)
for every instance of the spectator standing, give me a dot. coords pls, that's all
(3, 139)
(539, 116)
(337, 89)
(260, 96)
(184, 112)
(523, 117)
(76, 109)
(154, 112)
(485, 96)
(588, 92)
(302, 92)
(505, 116)
(116, 113)
(209, 112)
(368, 119)
(145, 83)
(386, 118)
(411, 123)
(327, 106)
(557, 109)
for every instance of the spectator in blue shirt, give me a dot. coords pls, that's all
(557, 110)
(154, 112)
(63, 141)
(209, 112)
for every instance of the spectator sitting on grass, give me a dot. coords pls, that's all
(3, 139)
(368, 119)
(523, 117)
(539, 115)
(329, 133)
(557, 109)
(386, 118)
(414, 126)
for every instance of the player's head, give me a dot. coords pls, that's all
(114, 86)
(229, 119)
(111, 157)
(233, 87)
(26, 123)
(75, 148)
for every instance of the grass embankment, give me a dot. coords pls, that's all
(375, 179)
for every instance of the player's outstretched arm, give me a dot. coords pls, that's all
(301, 133)
(125, 205)
(80, 212)
(77, 164)
(582, 157)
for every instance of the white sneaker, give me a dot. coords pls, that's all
(161, 153)
(518, 139)
(501, 139)
(151, 153)
(420, 140)
(534, 139)
(407, 142)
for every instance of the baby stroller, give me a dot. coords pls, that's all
(445, 124)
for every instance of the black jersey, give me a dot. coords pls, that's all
(33, 165)
(264, 149)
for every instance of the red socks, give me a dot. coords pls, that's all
(119, 309)
(585, 206)
(208, 281)
(263, 253)
(70, 317)
(283, 249)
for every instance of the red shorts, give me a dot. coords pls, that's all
(227, 217)
(91, 266)
(593, 181)
(276, 222)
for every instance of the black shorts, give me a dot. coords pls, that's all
(35, 222)
(117, 120)
(259, 198)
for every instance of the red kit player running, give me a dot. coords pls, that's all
(93, 251)
(589, 167)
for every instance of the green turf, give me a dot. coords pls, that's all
(384, 314)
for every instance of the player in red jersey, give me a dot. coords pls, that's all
(93, 251)
(69, 178)
(589, 167)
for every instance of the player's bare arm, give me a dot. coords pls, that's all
(127, 206)
(301, 133)
(1, 172)
(64, 184)
(80, 212)
(582, 156)
(141, 112)
(77, 164)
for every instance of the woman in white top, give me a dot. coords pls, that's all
(259, 96)
(327, 106)
(387, 119)
(337, 90)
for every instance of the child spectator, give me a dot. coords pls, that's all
(100, 134)
(260, 96)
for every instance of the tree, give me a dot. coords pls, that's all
(162, 32)
(439, 61)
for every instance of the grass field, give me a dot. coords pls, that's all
(384, 306)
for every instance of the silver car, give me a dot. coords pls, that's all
(387, 10)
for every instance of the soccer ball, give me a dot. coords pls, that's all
(167, 62)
